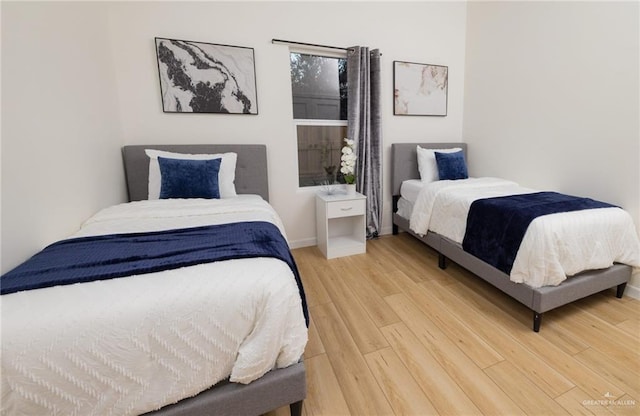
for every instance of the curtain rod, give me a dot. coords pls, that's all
(289, 42)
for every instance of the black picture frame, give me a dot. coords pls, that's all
(420, 89)
(201, 77)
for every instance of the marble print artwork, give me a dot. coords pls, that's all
(198, 77)
(420, 89)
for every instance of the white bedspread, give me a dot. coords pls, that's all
(554, 246)
(130, 345)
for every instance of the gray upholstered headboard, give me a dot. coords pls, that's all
(404, 161)
(251, 167)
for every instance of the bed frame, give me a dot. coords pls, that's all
(277, 388)
(539, 300)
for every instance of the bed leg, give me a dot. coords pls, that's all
(296, 408)
(537, 320)
(442, 261)
(620, 290)
(394, 209)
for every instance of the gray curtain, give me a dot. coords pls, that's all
(363, 96)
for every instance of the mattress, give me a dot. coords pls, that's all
(405, 208)
(131, 345)
(555, 246)
(410, 189)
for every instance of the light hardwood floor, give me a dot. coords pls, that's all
(391, 333)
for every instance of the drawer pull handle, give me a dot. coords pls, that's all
(346, 209)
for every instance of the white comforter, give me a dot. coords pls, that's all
(554, 246)
(131, 345)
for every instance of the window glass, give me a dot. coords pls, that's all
(319, 152)
(319, 89)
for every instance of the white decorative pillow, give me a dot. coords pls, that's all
(226, 175)
(427, 165)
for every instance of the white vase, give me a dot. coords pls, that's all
(350, 188)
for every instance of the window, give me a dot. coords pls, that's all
(319, 86)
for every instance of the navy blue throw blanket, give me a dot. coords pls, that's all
(87, 259)
(496, 226)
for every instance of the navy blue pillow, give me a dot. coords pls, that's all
(182, 178)
(451, 165)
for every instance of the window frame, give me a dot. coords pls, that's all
(319, 51)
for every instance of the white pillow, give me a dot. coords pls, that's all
(427, 165)
(226, 175)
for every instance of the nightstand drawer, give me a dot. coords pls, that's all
(339, 209)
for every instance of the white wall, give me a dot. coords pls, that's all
(416, 32)
(80, 80)
(552, 97)
(60, 130)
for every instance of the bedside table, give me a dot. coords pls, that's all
(340, 224)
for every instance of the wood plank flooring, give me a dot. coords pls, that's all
(392, 334)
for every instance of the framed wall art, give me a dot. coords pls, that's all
(419, 89)
(198, 77)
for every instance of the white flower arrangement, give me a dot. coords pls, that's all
(348, 162)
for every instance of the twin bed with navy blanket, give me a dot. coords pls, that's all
(545, 249)
(181, 304)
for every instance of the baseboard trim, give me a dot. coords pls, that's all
(632, 292)
(386, 230)
(305, 242)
